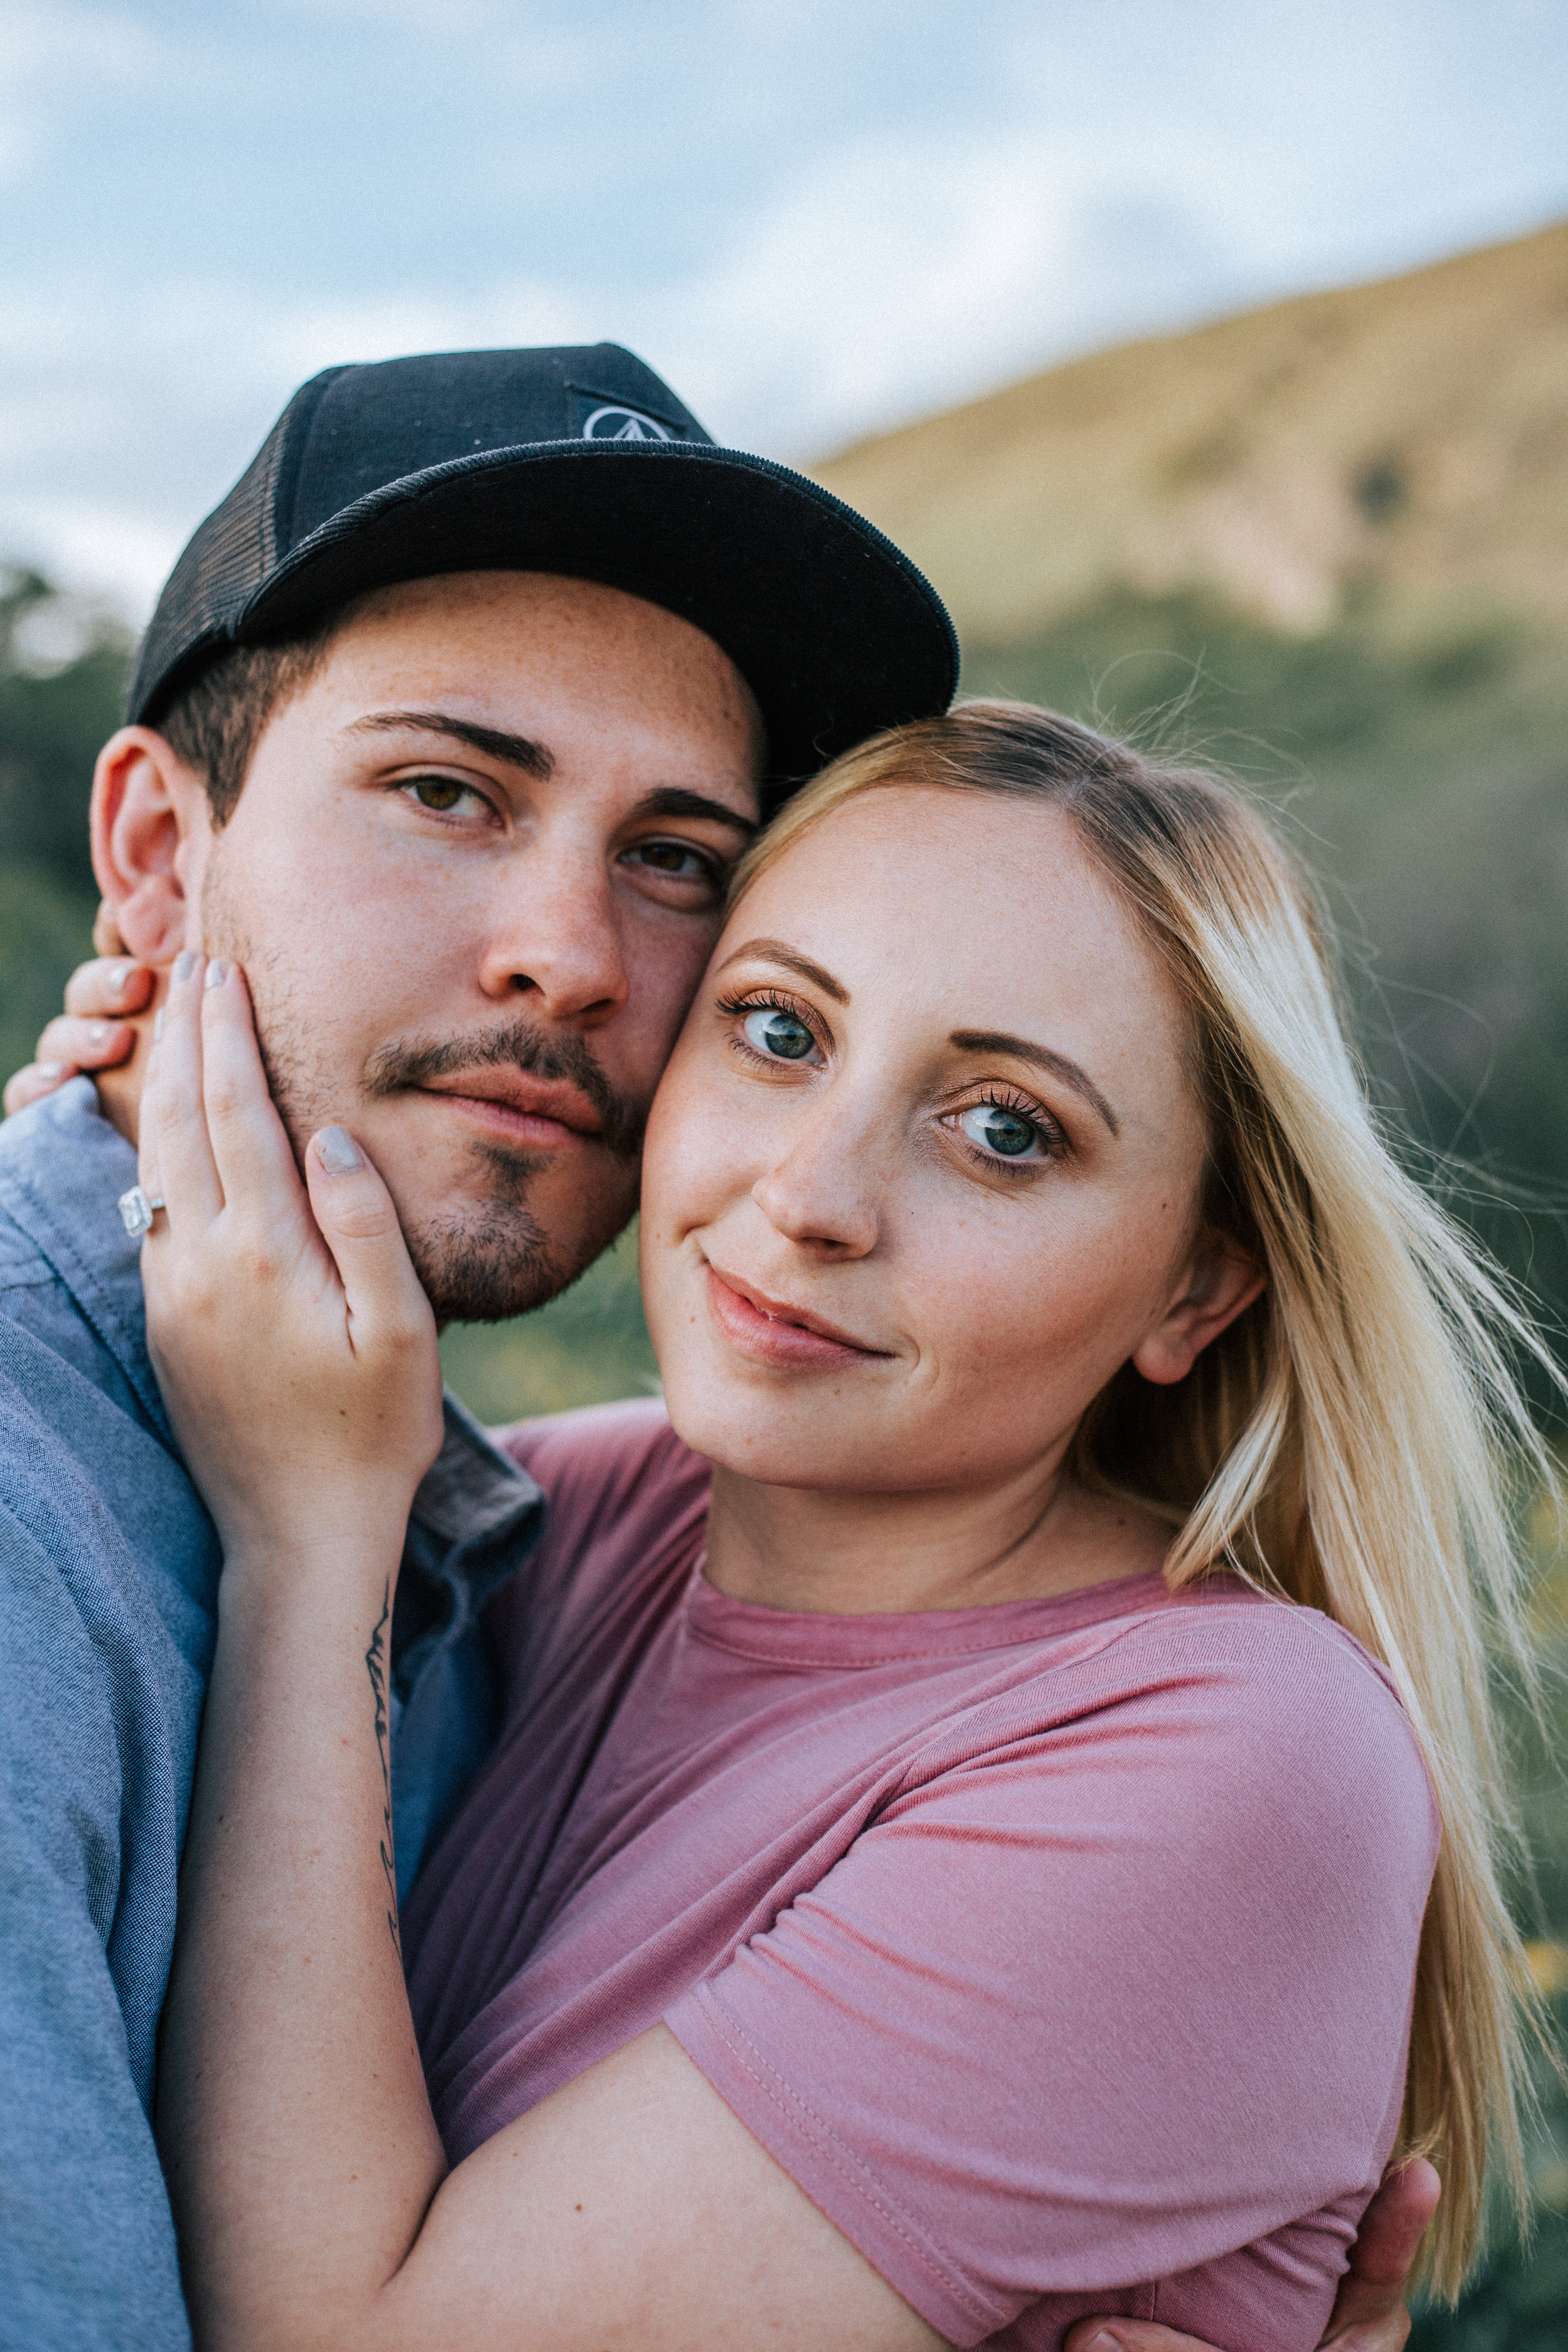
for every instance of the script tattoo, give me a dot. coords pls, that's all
(376, 1667)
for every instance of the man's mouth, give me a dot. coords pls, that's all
(515, 1085)
(545, 1114)
(774, 1331)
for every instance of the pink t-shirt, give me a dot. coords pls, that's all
(1062, 1951)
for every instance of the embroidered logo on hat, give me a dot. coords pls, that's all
(624, 424)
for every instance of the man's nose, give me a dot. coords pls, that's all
(556, 940)
(824, 1193)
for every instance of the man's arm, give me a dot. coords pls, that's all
(87, 2261)
(1370, 2313)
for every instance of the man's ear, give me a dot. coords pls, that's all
(151, 829)
(1219, 1282)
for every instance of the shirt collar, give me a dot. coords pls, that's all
(473, 1498)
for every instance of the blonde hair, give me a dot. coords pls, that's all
(1355, 1441)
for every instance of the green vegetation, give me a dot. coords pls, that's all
(62, 684)
(1425, 774)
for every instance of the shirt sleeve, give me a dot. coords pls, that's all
(1117, 1983)
(88, 2260)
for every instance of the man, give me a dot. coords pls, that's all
(447, 726)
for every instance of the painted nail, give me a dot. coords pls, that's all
(118, 978)
(218, 972)
(184, 964)
(337, 1152)
(157, 1025)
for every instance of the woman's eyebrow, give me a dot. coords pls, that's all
(996, 1041)
(775, 952)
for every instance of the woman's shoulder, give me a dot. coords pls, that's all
(616, 1465)
(1274, 1696)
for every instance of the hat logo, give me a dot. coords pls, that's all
(624, 424)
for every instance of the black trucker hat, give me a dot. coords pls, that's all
(571, 460)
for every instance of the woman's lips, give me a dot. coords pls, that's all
(767, 1330)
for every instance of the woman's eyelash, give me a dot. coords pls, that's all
(761, 1000)
(1053, 1141)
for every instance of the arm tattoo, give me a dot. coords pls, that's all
(376, 1667)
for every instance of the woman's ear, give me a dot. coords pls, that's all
(1219, 1282)
(150, 832)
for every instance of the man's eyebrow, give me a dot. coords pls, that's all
(673, 800)
(996, 1041)
(516, 751)
(775, 952)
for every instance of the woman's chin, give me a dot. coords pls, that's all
(815, 1447)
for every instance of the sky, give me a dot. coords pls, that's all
(817, 218)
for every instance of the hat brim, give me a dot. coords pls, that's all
(836, 632)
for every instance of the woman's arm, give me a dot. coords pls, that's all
(95, 1032)
(308, 2178)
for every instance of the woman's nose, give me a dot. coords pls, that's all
(822, 1194)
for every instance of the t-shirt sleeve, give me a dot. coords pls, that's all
(1119, 1980)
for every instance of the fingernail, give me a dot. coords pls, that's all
(337, 1152)
(97, 1031)
(50, 1069)
(157, 1025)
(1103, 2341)
(184, 964)
(118, 978)
(218, 972)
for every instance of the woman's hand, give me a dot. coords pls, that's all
(94, 1033)
(292, 1341)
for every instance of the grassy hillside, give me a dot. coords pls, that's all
(1409, 436)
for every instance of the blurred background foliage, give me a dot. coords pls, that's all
(1359, 609)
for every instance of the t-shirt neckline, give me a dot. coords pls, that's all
(804, 1637)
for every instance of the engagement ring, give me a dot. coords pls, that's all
(137, 1212)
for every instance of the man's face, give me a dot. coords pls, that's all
(473, 879)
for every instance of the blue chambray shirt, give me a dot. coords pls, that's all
(109, 1568)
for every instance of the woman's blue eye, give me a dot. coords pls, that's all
(1008, 1133)
(783, 1035)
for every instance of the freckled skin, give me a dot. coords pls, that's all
(998, 1303)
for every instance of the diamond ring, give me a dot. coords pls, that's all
(137, 1212)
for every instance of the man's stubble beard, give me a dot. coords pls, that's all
(492, 1259)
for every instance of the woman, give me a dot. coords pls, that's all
(959, 1853)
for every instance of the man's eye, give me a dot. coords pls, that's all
(782, 1037)
(677, 857)
(438, 793)
(1006, 1134)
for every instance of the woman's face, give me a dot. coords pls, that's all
(922, 1172)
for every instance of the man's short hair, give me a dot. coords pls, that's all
(215, 722)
